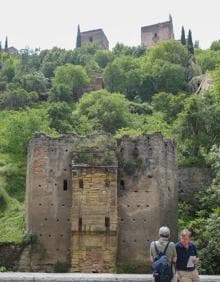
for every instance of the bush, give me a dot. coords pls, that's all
(4, 199)
(18, 98)
(60, 267)
(3, 269)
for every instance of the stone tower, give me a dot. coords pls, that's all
(153, 34)
(49, 199)
(94, 203)
(96, 36)
(147, 196)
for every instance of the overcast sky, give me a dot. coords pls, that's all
(49, 23)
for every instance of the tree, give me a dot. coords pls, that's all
(122, 50)
(60, 117)
(17, 98)
(78, 38)
(215, 46)
(207, 59)
(171, 51)
(92, 69)
(139, 51)
(6, 43)
(106, 111)
(103, 57)
(170, 105)
(157, 123)
(203, 218)
(9, 68)
(197, 128)
(183, 36)
(168, 77)
(19, 127)
(48, 68)
(190, 43)
(124, 75)
(68, 83)
(81, 56)
(35, 81)
(216, 76)
(50, 59)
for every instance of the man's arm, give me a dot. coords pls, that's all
(196, 259)
(174, 258)
(151, 252)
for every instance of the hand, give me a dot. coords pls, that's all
(195, 260)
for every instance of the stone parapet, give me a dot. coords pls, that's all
(85, 277)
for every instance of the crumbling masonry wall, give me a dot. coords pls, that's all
(49, 199)
(192, 180)
(88, 213)
(147, 196)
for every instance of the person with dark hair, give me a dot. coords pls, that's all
(187, 258)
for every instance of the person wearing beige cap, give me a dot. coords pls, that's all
(163, 250)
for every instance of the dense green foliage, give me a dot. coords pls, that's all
(145, 91)
(68, 83)
(203, 218)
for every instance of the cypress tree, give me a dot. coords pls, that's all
(78, 38)
(190, 43)
(0, 46)
(6, 43)
(183, 36)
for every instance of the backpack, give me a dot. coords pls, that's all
(162, 271)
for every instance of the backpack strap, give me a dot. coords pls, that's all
(165, 250)
(156, 249)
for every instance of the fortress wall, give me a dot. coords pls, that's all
(151, 35)
(94, 36)
(167, 182)
(81, 214)
(49, 197)
(162, 33)
(146, 194)
(192, 180)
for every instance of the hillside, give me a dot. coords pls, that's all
(144, 91)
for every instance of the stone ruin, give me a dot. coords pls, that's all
(94, 203)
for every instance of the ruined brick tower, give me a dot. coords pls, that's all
(153, 34)
(94, 203)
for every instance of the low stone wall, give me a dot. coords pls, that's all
(85, 277)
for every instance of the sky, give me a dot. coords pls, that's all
(48, 23)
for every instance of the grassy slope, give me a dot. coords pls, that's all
(12, 226)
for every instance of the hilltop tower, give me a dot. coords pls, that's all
(153, 34)
(96, 36)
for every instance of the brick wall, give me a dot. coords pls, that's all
(94, 219)
(48, 198)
